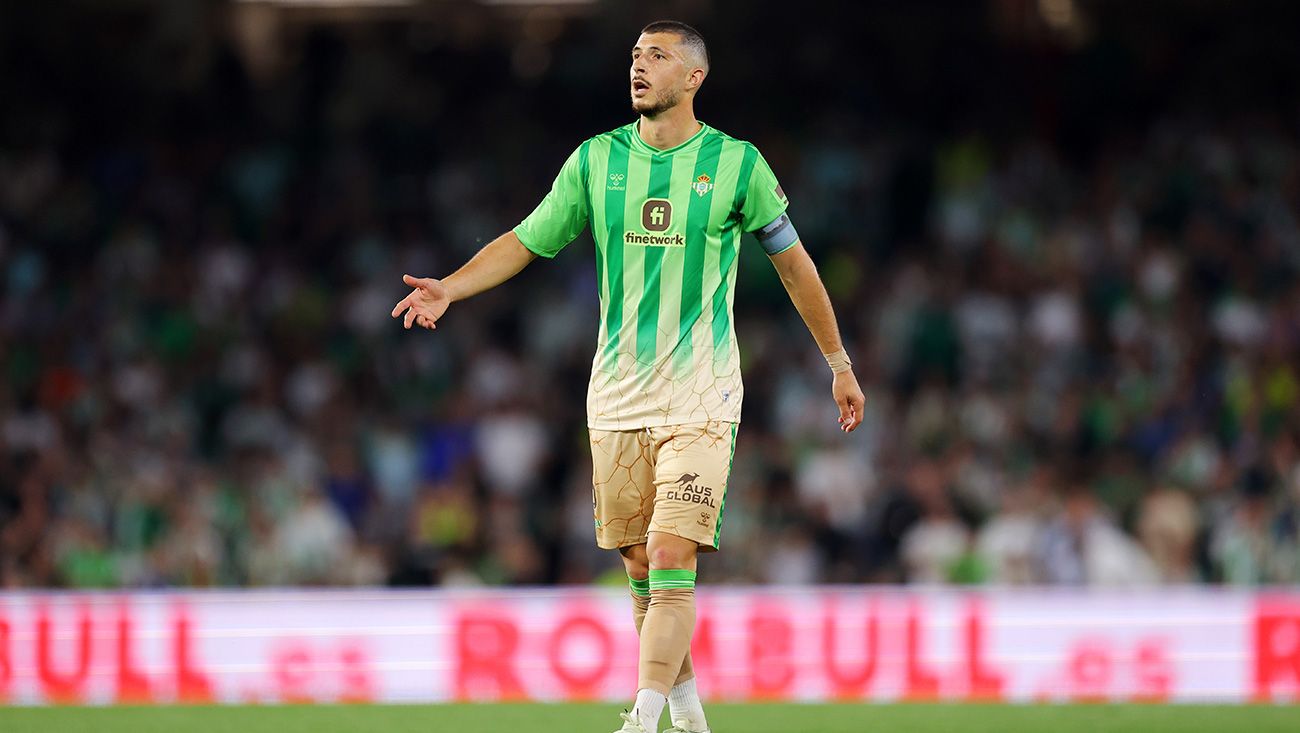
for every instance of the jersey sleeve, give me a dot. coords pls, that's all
(764, 199)
(562, 215)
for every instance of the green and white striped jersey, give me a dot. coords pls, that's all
(667, 225)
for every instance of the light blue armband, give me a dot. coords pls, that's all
(778, 236)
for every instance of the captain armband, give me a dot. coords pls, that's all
(778, 236)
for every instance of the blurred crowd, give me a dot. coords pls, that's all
(1081, 369)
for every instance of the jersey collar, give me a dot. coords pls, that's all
(640, 144)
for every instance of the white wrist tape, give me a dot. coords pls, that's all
(839, 361)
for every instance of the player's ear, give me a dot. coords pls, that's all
(696, 78)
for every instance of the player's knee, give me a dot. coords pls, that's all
(635, 562)
(671, 558)
(636, 570)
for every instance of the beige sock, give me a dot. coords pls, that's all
(641, 604)
(666, 634)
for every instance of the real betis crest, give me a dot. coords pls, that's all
(702, 184)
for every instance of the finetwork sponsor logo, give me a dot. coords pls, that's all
(654, 240)
(656, 215)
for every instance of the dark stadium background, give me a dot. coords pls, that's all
(1063, 240)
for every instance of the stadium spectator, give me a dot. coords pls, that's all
(200, 385)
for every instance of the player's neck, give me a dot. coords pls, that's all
(669, 128)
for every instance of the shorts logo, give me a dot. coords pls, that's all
(702, 185)
(703, 521)
(686, 489)
(615, 182)
(656, 215)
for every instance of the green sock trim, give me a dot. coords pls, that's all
(640, 587)
(671, 579)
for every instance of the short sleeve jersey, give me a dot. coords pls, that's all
(667, 226)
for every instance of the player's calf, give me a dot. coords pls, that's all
(669, 623)
(684, 706)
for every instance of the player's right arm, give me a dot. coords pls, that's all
(555, 222)
(499, 261)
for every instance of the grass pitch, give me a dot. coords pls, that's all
(763, 718)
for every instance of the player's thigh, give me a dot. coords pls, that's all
(623, 489)
(692, 469)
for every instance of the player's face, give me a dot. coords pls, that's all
(659, 73)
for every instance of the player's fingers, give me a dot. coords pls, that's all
(845, 412)
(859, 407)
(402, 305)
(415, 282)
(410, 318)
(857, 403)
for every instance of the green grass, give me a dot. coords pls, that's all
(765, 718)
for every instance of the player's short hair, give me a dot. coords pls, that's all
(690, 37)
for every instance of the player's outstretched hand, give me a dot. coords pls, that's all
(426, 303)
(849, 397)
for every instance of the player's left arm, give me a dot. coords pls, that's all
(763, 212)
(801, 281)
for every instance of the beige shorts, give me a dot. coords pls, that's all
(670, 479)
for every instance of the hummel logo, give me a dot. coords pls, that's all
(616, 181)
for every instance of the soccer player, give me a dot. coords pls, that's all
(667, 198)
